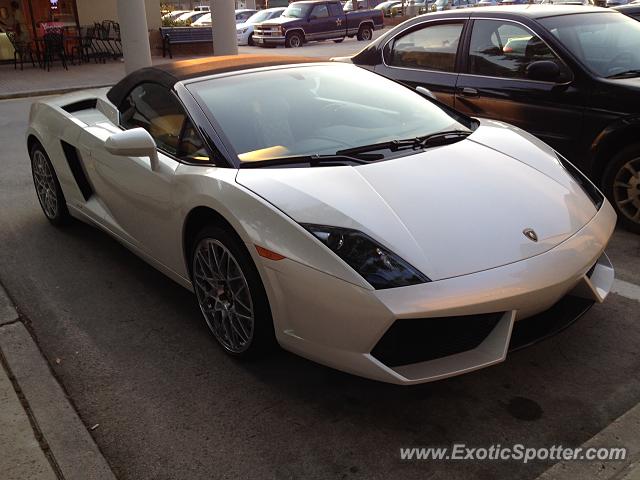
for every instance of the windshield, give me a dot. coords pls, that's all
(606, 43)
(259, 16)
(325, 110)
(297, 10)
(440, 3)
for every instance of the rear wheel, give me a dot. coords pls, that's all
(294, 40)
(622, 186)
(48, 187)
(365, 33)
(230, 293)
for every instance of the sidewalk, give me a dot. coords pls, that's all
(35, 81)
(41, 435)
(623, 432)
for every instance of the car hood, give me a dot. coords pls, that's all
(280, 21)
(450, 210)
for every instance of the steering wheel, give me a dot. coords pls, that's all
(620, 61)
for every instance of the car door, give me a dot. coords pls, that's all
(425, 55)
(495, 83)
(138, 200)
(320, 25)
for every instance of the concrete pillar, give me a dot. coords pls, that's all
(223, 22)
(154, 20)
(135, 34)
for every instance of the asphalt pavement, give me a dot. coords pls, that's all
(132, 353)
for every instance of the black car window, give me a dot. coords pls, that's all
(433, 47)
(155, 109)
(320, 11)
(500, 48)
(335, 10)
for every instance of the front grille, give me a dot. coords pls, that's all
(416, 340)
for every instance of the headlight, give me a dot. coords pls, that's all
(377, 265)
(589, 188)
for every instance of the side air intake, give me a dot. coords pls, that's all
(77, 169)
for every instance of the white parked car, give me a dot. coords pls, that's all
(241, 16)
(352, 220)
(190, 16)
(244, 30)
(174, 14)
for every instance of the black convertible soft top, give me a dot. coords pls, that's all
(169, 74)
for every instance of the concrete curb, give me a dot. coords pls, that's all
(55, 91)
(623, 432)
(71, 449)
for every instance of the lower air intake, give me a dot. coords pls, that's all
(416, 340)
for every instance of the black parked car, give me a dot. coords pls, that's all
(632, 10)
(568, 74)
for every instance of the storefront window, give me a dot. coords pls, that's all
(30, 18)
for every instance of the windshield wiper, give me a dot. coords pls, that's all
(313, 160)
(426, 141)
(626, 74)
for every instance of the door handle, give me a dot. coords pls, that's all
(469, 92)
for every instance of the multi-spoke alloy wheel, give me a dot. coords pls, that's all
(626, 189)
(45, 184)
(48, 188)
(223, 294)
(621, 183)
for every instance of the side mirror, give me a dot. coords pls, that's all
(544, 70)
(426, 92)
(136, 142)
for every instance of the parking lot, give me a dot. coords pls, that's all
(134, 356)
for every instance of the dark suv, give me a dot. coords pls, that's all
(568, 74)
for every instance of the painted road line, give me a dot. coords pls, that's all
(626, 289)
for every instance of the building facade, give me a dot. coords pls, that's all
(35, 15)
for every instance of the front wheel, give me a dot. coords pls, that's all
(293, 40)
(230, 293)
(48, 187)
(338, 40)
(250, 41)
(365, 33)
(621, 183)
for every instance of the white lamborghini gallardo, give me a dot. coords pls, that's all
(322, 207)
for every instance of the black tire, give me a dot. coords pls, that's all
(294, 40)
(49, 192)
(365, 34)
(262, 337)
(250, 41)
(622, 187)
(338, 40)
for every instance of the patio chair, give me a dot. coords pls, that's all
(54, 47)
(111, 30)
(101, 42)
(21, 50)
(84, 50)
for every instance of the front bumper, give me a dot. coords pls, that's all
(263, 40)
(341, 325)
(243, 38)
